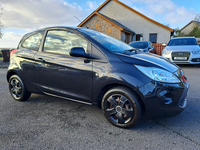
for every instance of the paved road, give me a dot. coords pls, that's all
(45, 122)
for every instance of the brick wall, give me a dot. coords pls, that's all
(101, 25)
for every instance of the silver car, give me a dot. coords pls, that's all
(182, 50)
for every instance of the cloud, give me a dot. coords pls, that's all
(165, 11)
(180, 15)
(145, 1)
(10, 40)
(92, 5)
(29, 15)
(33, 14)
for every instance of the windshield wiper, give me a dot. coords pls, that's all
(131, 50)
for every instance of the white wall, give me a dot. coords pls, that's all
(135, 22)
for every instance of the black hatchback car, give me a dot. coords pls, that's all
(89, 67)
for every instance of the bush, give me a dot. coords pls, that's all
(195, 32)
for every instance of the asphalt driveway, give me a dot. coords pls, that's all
(45, 122)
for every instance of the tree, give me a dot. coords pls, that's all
(195, 32)
(177, 33)
(167, 25)
(197, 17)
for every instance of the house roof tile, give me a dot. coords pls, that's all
(100, 7)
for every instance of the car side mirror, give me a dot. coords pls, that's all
(150, 48)
(164, 44)
(78, 52)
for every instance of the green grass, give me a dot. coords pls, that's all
(1, 55)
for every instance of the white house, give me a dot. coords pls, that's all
(120, 21)
(189, 27)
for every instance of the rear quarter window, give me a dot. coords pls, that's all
(33, 41)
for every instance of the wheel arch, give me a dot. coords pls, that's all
(9, 74)
(109, 86)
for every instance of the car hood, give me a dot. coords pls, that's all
(149, 60)
(182, 48)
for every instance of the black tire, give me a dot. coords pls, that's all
(121, 107)
(18, 89)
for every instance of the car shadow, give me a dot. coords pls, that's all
(187, 119)
(186, 122)
(188, 66)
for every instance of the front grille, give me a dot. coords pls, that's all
(182, 103)
(180, 56)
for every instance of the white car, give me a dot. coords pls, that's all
(182, 50)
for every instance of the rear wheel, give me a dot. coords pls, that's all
(17, 88)
(121, 107)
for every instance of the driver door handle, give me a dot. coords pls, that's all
(40, 60)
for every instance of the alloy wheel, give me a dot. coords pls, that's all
(16, 88)
(119, 109)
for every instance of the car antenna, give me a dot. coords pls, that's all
(80, 21)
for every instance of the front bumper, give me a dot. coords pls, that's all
(193, 59)
(164, 100)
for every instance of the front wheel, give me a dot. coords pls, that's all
(17, 88)
(121, 107)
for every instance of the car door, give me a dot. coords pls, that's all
(60, 74)
(28, 47)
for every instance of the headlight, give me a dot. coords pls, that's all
(159, 74)
(166, 52)
(196, 52)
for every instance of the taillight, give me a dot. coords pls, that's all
(12, 52)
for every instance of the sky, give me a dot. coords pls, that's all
(22, 16)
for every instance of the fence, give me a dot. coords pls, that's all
(158, 48)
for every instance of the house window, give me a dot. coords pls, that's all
(139, 37)
(153, 37)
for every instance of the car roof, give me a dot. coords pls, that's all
(67, 27)
(54, 27)
(183, 37)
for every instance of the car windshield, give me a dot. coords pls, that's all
(110, 43)
(140, 45)
(183, 41)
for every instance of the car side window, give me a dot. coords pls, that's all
(33, 42)
(60, 41)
